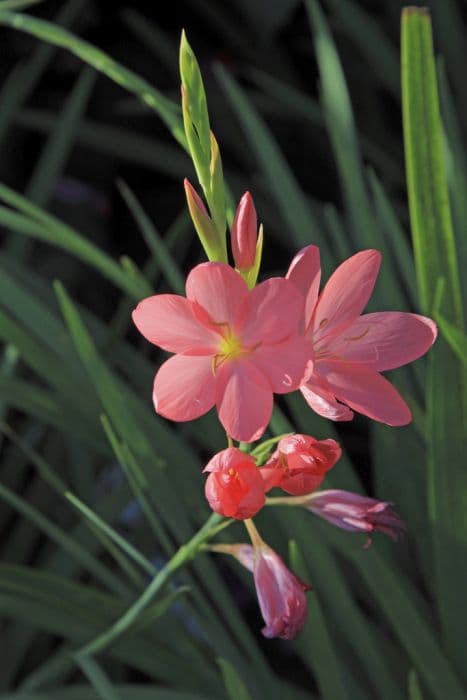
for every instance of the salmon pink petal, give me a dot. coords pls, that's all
(167, 320)
(184, 388)
(367, 392)
(244, 400)
(286, 364)
(305, 270)
(386, 340)
(271, 312)
(305, 273)
(323, 402)
(218, 289)
(346, 293)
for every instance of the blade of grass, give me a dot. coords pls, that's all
(317, 640)
(235, 687)
(399, 600)
(154, 240)
(98, 679)
(34, 221)
(291, 201)
(369, 39)
(53, 34)
(57, 535)
(436, 258)
(24, 78)
(341, 127)
(115, 141)
(430, 214)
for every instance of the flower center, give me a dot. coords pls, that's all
(231, 347)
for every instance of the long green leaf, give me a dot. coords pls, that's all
(99, 60)
(435, 258)
(430, 214)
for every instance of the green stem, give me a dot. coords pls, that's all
(288, 500)
(186, 552)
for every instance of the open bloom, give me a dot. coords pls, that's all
(356, 513)
(300, 463)
(281, 594)
(350, 349)
(234, 487)
(234, 346)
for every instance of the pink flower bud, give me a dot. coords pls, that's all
(300, 463)
(194, 200)
(356, 513)
(234, 488)
(281, 595)
(244, 233)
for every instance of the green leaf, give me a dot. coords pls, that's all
(370, 39)
(291, 201)
(34, 221)
(155, 155)
(399, 600)
(415, 692)
(53, 34)
(154, 241)
(456, 338)
(340, 123)
(430, 214)
(98, 679)
(236, 689)
(435, 259)
(23, 79)
(63, 540)
(317, 639)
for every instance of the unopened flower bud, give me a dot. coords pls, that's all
(300, 463)
(244, 234)
(234, 487)
(356, 513)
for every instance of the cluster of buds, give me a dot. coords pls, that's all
(236, 488)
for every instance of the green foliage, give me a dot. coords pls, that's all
(89, 599)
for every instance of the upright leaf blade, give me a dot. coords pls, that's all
(430, 214)
(435, 258)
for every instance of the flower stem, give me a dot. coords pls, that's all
(183, 555)
(256, 539)
(288, 500)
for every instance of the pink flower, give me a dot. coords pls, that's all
(235, 347)
(234, 487)
(356, 513)
(281, 594)
(350, 349)
(300, 463)
(244, 233)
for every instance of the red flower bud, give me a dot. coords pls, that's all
(300, 463)
(234, 488)
(244, 233)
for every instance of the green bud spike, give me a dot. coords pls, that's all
(213, 244)
(192, 83)
(217, 191)
(251, 276)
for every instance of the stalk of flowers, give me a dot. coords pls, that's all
(236, 343)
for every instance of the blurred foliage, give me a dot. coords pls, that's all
(97, 491)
